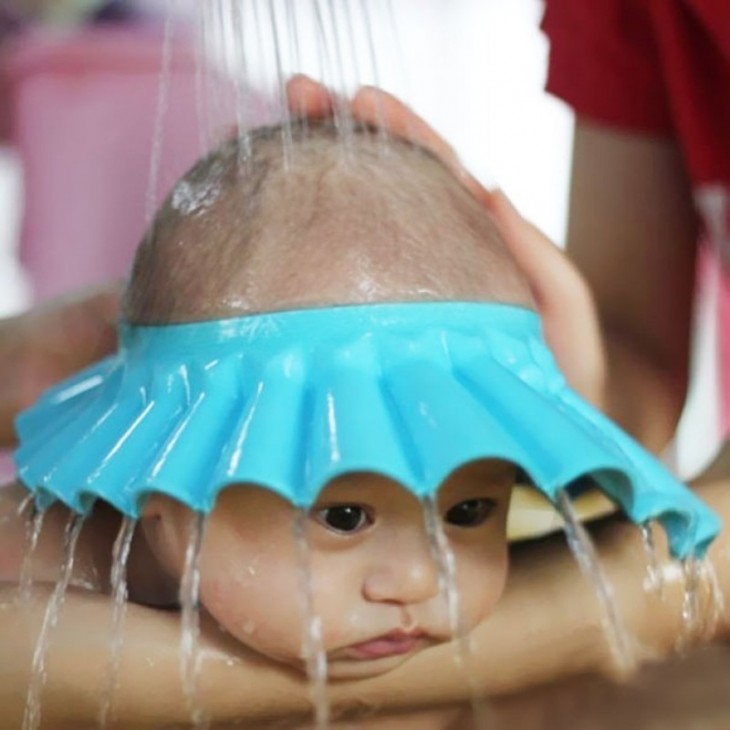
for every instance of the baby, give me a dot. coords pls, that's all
(323, 224)
(319, 224)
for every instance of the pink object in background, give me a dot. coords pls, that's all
(82, 115)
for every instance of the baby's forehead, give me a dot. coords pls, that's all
(479, 478)
(480, 473)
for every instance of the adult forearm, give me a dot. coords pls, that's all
(549, 625)
(42, 346)
(235, 686)
(150, 690)
(632, 233)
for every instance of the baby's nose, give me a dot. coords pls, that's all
(405, 574)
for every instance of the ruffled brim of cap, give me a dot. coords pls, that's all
(289, 401)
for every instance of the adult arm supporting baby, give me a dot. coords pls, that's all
(548, 626)
(48, 343)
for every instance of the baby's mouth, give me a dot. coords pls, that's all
(394, 643)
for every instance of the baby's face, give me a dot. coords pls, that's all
(374, 578)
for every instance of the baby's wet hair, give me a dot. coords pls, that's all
(256, 226)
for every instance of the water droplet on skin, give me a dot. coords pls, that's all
(249, 627)
(191, 199)
(84, 584)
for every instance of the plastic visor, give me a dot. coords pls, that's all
(290, 400)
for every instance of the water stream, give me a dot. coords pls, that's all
(443, 556)
(240, 78)
(313, 649)
(332, 73)
(206, 40)
(190, 618)
(33, 533)
(703, 603)
(375, 72)
(25, 503)
(152, 198)
(32, 716)
(691, 597)
(717, 600)
(120, 557)
(584, 552)
(654, 579)
(286, 129)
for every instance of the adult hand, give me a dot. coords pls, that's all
(46, 344)
(561, 295)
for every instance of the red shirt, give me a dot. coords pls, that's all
(661, 67)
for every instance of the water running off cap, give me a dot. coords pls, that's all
(290, 400)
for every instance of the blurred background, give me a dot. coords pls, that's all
(79, 96)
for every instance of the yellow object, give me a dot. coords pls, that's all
(532, 515)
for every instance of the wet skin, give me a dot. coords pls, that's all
(372, 565)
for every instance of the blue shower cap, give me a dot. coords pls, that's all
(289, 400)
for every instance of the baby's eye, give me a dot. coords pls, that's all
(344, 518)
(470, 513)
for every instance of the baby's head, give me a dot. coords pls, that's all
(326, 224)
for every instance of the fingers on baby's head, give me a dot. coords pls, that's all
(261, 225)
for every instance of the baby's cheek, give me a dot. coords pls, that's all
(337, 595)
(481, 586)
(223, 602)
(264, 620)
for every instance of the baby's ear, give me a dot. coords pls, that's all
(563, 298)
